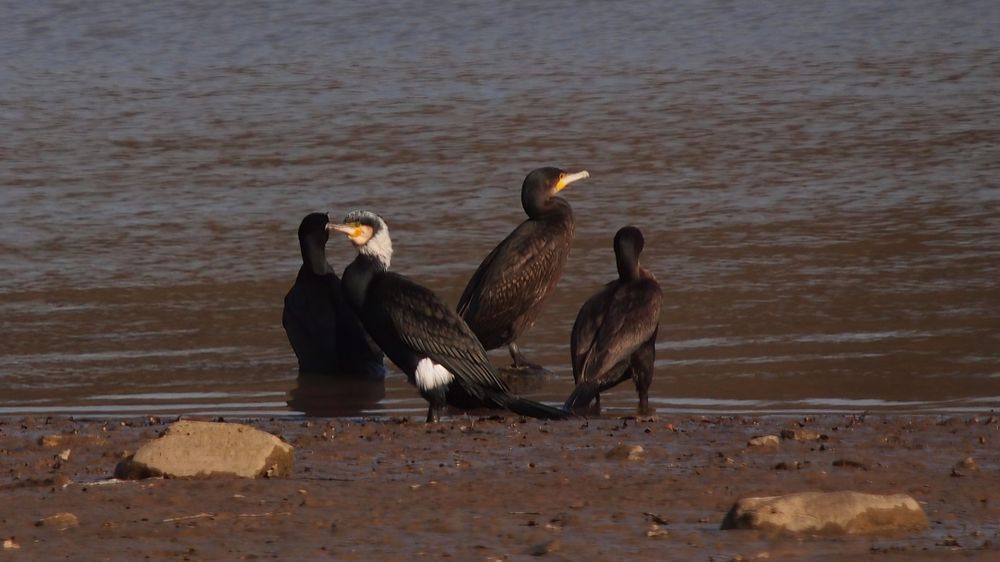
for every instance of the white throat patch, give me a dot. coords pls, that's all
(431, 375)
(379, 247)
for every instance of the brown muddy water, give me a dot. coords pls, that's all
(817, 183)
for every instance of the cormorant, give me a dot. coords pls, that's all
(419, 333)
(506, 293)
(614, 336)
(320, 325)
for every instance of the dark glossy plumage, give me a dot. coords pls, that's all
(614, 335)
(505, 294)
(321, 327)
(420, 334)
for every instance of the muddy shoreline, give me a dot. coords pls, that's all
(500, 488)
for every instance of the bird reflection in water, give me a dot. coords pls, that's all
(337, 396)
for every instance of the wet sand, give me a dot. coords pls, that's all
(500, 489)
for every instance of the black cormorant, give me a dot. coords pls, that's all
(506, 293)
(614, 336)
(320, 325)
(427, 340)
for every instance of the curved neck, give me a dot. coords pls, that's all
(378, 250)
(314, 255)
(356, 279)
(627, 260)
(543, 207)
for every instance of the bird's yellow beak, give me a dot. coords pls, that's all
(358, 233)
(566, 179)
(351, 230)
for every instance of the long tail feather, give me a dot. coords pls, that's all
(533, 409)
(581, 397)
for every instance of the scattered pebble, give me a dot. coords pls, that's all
(10, 544)
(626, 452)
(654, 531)
(800, 434)
(764, 441)
(60, 521)
(968, 463)
(50, 440)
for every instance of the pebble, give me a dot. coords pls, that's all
(654, 531)
(764, 441)
(800, 434)
(61, 521)
(51, 440)
(968, 463)
(626, 452)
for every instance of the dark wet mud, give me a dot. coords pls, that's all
(502, 489)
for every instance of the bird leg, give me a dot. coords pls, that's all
(519, 361)
(641, 369)
(434, 413)
(644, 403)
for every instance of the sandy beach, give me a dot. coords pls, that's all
(499, 488)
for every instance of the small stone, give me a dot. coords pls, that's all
(626, 452)
(64, 456)
(654, 531)
(60, 440)
(51, 440)
(968, 463)
(828, 513)
(10, 544)
(60, 521)
(764, 441)
(800, 434)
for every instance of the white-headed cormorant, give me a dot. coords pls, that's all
(614, 336)
(427, 340)
(505, 295)
(320, 325)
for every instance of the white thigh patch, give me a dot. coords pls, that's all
(431, 375)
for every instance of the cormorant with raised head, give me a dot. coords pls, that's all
(505, 295)
(320, 325)
(614, 336)
(427, 340)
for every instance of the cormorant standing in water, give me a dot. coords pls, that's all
(614, 336)
(320, 325)
(419, 333)
(506, 293)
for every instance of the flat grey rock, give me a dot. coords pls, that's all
(829, 513)
(194, 449)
